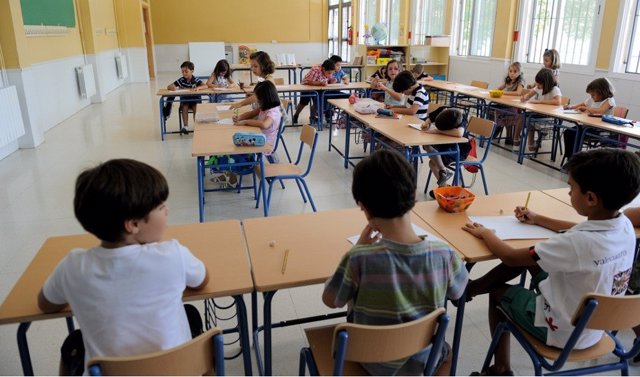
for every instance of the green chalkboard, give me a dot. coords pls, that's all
(48, 12)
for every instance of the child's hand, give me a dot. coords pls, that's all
(323, 83)
(523, 98)
(524, 215)
(345, 80)
(426, 125)
(379, 86)
(234, 106)
(476, 229)
(368, 236)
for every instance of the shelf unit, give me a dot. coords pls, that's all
(433, 56)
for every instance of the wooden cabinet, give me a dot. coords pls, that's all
(371, 63)
(433, 55)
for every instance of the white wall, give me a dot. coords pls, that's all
(170, 56)
(48, 92)
(464, 69)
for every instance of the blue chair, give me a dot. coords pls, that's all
(477, 128)
(281, 171)
(596, 311)
(339, 349)
(198, 356)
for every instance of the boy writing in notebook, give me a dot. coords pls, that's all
(126, 292)
(593, 256)
(391, 275)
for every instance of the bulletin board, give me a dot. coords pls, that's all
(48, 12)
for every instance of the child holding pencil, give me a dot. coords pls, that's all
(565, 267)
(263, 67)
(392, 272)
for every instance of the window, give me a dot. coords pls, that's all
(382, 11)
(632, 62)
(476, 19)
(368, 17)
(566, 25)
(337, 30)
(428, 19)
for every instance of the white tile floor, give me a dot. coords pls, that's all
(36, 202)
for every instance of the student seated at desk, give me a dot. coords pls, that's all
(221, 76)
(187, 81)
(448, 122)
(420, 74)
(634, 282)
(385, 84)
(263, 67)
(125, 293)
(318, 75)
(391, 275)
(266, 118)
(545, 92)
(417, 102)
(593, 256)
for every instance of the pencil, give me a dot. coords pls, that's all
(526, 203)
(284, 261)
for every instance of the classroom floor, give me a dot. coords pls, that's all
(36, 202)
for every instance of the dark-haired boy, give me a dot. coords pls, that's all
(318, 75)
(593, 256)
(393, 276)
(126, 293)
(417, 96)
(187, 81)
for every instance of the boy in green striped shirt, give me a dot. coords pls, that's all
(391, 275)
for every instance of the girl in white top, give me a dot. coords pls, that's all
(221, 76)
(546, 92)
(551, 60)
(391, 97)
(600, 102)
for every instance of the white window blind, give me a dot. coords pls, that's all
(632, 63)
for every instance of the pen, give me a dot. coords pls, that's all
(284, 261)
(526, 203)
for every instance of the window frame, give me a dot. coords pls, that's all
(525, 21)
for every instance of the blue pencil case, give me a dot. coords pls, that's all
(248, 139)
(617, 120)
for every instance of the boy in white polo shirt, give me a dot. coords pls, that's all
(125, 293)
(593, 256)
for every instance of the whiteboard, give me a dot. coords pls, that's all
(205, 55)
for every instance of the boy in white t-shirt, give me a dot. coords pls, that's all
(125, 293)
(593, 256)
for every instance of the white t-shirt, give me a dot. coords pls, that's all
(550, 95)
(590, 103)
(127, 300)
(593, 256)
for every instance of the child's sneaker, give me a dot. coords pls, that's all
(445, 175)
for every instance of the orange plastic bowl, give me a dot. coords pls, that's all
(454, 198)
(496, 93)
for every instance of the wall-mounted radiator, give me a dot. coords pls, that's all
(121, 66)
(11, 125)
(86, 81)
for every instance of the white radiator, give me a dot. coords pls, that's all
(86, 81)
(121, 66)
(11, 125)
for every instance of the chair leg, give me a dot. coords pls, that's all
(492, 347)
(286, 150)
(255, 192)
(239, 182)
(302, 364)
(258, 195)
(309, 195)
(270, 184)
(484, 180)
(426, 186)
(304, 198)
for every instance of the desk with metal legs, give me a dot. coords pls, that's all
(219, 245)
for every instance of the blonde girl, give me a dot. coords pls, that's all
(263, 67)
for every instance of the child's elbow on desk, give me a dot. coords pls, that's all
(47, 306)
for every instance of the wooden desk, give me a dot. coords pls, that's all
(226, 260)
(472, 249)
(165, 93)
(213, 139)
(316, 243)
(398, 131)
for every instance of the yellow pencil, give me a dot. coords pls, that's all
(526, 203)
(284, 261)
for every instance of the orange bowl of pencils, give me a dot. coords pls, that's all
(454, 198)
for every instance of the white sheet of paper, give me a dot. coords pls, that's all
(223, 107)
(225, 121)
(180, 90)
(207, 117)
(336, 84)
(509, 228)
(419, 231)
(282, 86)
(417, 126)
(571, 111)
(221, 88)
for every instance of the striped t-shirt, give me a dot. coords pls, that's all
(390, 283)
(421, 97)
